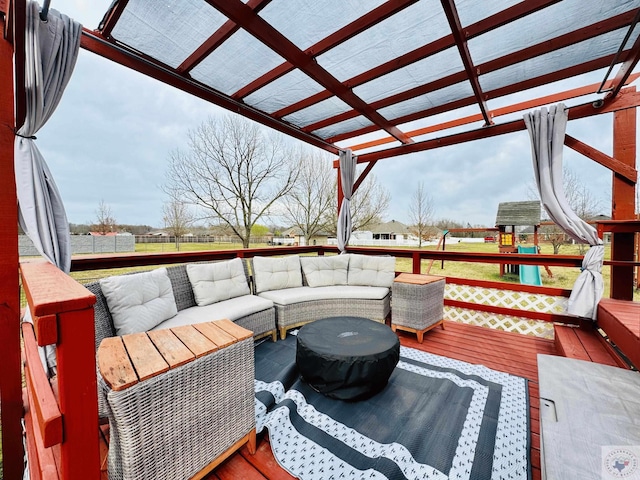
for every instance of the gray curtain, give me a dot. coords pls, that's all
(546, 130)
(347, 177)
(51, 50)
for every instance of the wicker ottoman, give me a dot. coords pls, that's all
(180, 401)
(417, 303)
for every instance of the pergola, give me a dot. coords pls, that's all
(383, 78)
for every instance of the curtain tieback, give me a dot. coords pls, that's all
(31, 137)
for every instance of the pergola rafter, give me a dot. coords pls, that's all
(263, 31)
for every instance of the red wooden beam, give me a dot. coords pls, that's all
(363, 176)
(500, 92)
(621, 102)
(217, 39)
(272, 38)
(627, 67)
(527, 53)
(10, 377)
(368, 20)
(510, 14)
(463, 49)
(93, 42)
(113, 17)
(623, 169)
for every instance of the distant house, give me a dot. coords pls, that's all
(294, 236)
(106, 234)
(392, 230)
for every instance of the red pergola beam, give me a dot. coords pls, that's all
(278, 43)
(626, 68)
(217, 39)
(621, 102)
(517, 107)
(519, 10)
(113, 18)
(93, 42)
(500, 92)
(368, 20)
(461, 42)
(493, 65)
(616, 166)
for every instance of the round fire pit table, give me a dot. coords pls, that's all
(348, 358)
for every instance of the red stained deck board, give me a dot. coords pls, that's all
(620, 320)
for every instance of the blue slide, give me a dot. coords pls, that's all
(529, 274)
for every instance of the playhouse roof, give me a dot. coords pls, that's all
(518, 214)
(329, 72)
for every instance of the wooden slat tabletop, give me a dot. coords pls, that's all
(127, 360)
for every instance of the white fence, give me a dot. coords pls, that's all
(84, 244)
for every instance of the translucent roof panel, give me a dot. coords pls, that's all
(472, 11)
(242, 54)
(343, 127)
(327, 108)
(554, 61)
(428, 100)
(288, 89)
(411, 28)
(427, 70)
(319, 18)
(542, 26)
(170, 34)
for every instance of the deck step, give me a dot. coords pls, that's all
(620, 320)
(585, 344)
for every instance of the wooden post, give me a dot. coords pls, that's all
(623, 201)
(417, 264)
(10, 377)
(52, 293)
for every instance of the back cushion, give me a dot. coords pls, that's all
(371, 270)
(215, 282)
(276, 273)
(325, 271)
(140, 301)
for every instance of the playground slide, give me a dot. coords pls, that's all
(529, 274)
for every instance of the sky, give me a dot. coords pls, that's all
(111, 137)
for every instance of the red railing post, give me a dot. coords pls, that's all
(53, 294)
(417, 267)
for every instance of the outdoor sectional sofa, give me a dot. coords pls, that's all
(304, 289)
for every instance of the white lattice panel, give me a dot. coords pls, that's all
(508, 299)
(521, 325)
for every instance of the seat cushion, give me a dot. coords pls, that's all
(140, 301)
(325, 271)
(233, 309)
(276, 273)
(215, 282)
(291, 296)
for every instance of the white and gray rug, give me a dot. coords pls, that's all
(438, 418)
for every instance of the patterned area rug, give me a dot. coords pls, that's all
(437, 418)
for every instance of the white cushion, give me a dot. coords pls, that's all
(308, 294)
(276, 273)
(233, 309)
(140, 301)
(375, 271)
(214, 282)
(324, 271)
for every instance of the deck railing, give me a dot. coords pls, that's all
(61, 414)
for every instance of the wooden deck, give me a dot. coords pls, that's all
(507, 352)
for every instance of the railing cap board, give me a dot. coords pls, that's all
(51, 291)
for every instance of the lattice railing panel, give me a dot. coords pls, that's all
(503, 298)
(521, 325)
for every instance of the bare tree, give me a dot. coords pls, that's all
(233, 171)
(420, 213)
(177, 218)
(311, 201)
(105, 221)
(581, 201)
(369, 205)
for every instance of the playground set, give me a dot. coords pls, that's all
(511, 215)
